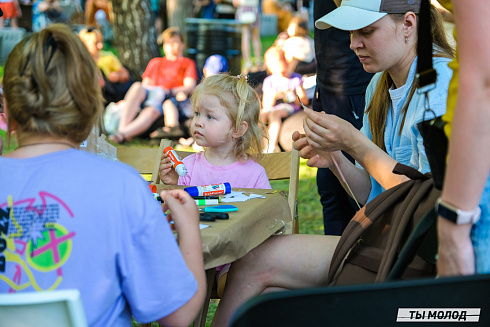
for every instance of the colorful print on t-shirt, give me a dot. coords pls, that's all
(34, 240)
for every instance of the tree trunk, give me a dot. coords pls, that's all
(134, 35)
(177, 12)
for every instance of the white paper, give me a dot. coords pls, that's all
(240, 197)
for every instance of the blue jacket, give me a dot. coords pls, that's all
(408, 148)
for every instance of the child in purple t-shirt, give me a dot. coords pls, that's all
(280, 94)
(226, 123)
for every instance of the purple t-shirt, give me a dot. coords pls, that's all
(247, 174)
(72, 220)
(274, 84)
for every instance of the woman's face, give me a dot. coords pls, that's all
(381, 45)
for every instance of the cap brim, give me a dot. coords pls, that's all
(348, 18)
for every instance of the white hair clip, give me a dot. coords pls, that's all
(240, 77)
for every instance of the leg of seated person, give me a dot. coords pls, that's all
(170, 114)
(140, 124)
(133, 99)
(282, 262)
(275, 122)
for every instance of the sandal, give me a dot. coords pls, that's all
(167, 132)
(118, 138)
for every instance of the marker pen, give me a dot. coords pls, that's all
(178, 164)
(206, 202)
(213, 189)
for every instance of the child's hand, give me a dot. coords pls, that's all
(183, 209)
(167, 173)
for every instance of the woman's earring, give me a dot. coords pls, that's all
(406, 39)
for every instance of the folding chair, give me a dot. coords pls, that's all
(142, 159)
(278, 166)
(51, 308)
(382, 304)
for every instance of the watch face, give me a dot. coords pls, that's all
(447, 213)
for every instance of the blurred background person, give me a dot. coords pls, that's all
(299, 47)
(248, 14)
(11, 11)
(280, 92)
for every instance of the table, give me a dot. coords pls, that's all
(228, 240)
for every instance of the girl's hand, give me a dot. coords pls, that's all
(183, 209)
(316, 158)
(167, 173)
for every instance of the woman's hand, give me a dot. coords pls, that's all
(183, 209)
(456, 256)
(316, 158)
(327, 132)
(167, 173)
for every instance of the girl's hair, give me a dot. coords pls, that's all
(51, 85)
(243, 104)
(378, 107)
(301, 28)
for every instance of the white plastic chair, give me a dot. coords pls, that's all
(52, 308)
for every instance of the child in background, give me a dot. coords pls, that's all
(167, 83)
(115, 77)
(215, 64)
(11, 10)
(279, 98)
(226, 123)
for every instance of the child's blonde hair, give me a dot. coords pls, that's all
(243, 104)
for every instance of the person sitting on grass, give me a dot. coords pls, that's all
(112, 241)
(115, 76)
(167, 83)
(280, 94)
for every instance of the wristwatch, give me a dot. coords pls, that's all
(455, 215)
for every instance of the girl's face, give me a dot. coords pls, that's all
(211, 126)
(381, 45)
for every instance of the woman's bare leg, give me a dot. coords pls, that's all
(281, 262)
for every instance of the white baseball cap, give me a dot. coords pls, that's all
(353, 15)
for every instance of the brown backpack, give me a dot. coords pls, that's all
(372, 241)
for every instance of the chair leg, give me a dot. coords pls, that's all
(200, 320)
